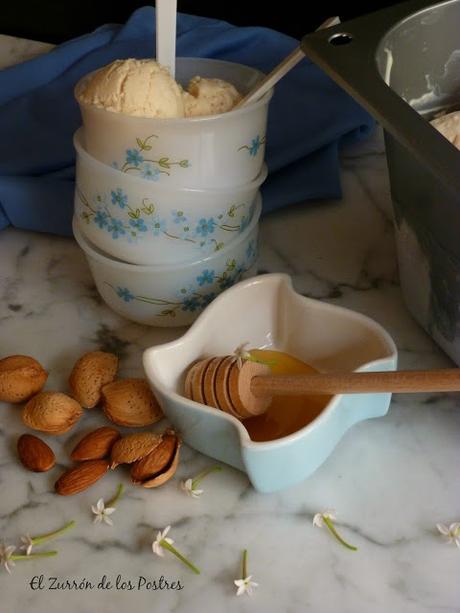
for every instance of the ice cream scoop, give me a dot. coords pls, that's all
(209, 97)
(134, 87)
(144, 88)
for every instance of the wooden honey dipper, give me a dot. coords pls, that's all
(245, 388)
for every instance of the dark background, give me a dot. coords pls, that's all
(55, 21)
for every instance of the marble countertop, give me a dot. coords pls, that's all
(390, 479)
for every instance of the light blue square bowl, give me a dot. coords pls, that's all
(266, 312)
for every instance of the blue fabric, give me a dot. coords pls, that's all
(309, 116)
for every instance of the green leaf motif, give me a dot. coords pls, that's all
(134, 214)
(164, 163)
(148, 210)
(231, 265)
(184, 164)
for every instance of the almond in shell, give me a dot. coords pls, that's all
(130, 402)
(81, 477)
(20, 378)
(51, 412)
(89, 375)
(160, 464)
(134, 447)
(35, 454)
(95, 445)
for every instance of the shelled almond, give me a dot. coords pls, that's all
(51, 412)
(130, 402)
(35, 454)
(96, 445)
(20, 378)
(89, 375)
(81, 477)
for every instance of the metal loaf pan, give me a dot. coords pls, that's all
(403, 65)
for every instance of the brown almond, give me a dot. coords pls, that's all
(81, 477)
(133, 447)
(166, 475)
(20, 378)
(34, 454)
(158, 462)
(51, 412)
(89, 375)
(95, 445)
(130, 402)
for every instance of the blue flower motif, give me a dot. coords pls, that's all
(190, 304)
(119, 197)
(134, 157)
(207, 276)
(158, 226)
(205, 226)
(124, 294)
(255, 146)
(150, 172)
(116, 227)
(207, 298)
(138, 224)
(179, 216)
(101, 218)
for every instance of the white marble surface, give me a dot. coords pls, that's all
(389, 479)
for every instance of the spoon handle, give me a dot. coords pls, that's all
(279, 71)
(399, 381)
(166, 18)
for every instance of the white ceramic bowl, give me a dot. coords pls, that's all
(212, 151)
(145, 223)
(266, 312)
(170, 295)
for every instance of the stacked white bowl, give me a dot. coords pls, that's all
(167, 210)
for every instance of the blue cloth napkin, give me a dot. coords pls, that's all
(310, 116)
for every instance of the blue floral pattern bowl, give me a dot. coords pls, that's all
(143, 223)
(212, 151)
(170, 295)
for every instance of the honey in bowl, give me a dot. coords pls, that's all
(286, 414)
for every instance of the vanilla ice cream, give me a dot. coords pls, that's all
(209, 97)
(134, 87)
(146, 89)
(449, 126)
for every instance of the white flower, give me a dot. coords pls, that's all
(245, 586)
(241, 354)
(451, 534)
(6, 551)
(28, 544)
(157, 547)
(190, 489)
(102, 512)
(319, 518)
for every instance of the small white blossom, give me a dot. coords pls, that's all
(188, 487)
(102, 512)
(245, 586)
(157, 547)
(241, 354)
(6, 551)
(28, 544)
(450, 533)
(319, 518)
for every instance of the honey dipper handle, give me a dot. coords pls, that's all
(400, 381)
